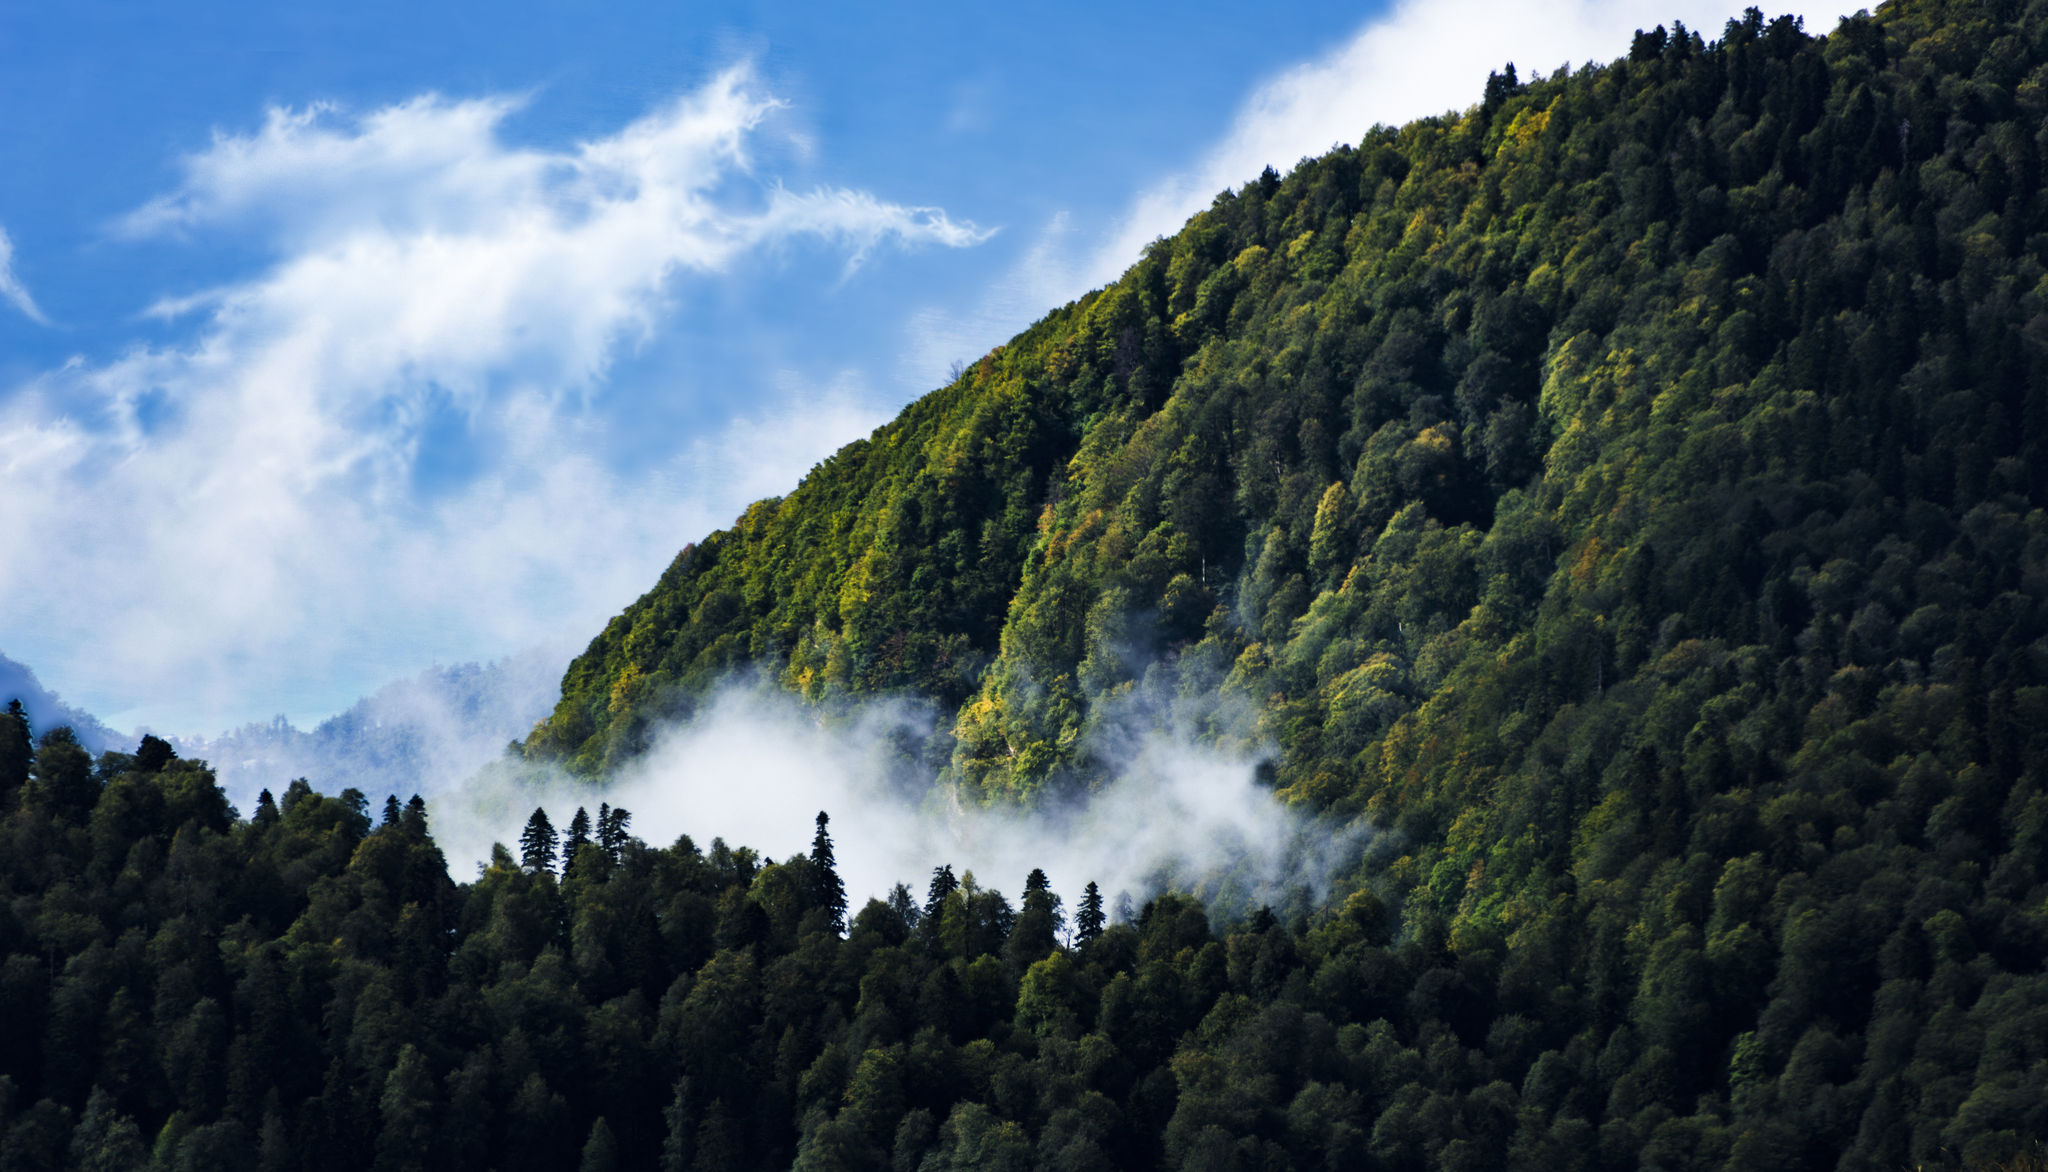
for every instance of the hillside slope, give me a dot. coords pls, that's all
(1621, 306)
(1630, 489)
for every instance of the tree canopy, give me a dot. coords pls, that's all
(1628, 491)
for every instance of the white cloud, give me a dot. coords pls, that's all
(258, 507)
(756, 768)
(11, 287)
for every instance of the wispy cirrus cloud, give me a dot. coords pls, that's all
(11, 287)
(377, 449)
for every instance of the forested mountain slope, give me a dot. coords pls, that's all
(1629, 491)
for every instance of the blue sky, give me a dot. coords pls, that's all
(338, 340)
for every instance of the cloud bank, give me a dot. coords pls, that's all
(756, 766)
(380, 449)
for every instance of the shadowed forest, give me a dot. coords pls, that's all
(1628, 491)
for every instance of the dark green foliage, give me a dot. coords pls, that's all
(1629, 493)
(106, 1140)
(164, 982)
(1039, 924)
(539, 1133)
(578, 837)
(16, 751)
(303, 993)
(537, 842)
(153, 754)
(601, 1151)
(60, 776)
(827, 891)
(677, 1119)
(406, 1109)
(943, 884)
(1089, 922)
(414, 818)
(1343, 434)
(611, 830)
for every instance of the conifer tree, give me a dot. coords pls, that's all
(601, 1151)
(106, 1140)
(611, 829)
(153, 754)
(63, 772)
(537, 842)
(579, 837)
(943, 885)
(905, 906)
(273, 1141)
(675, 1145)
(391, 812)
(831, 892)
(414, 819)
(357, 804)
(1499, 88)
(1036, 930)
(465, 1125)
(17, 749)
(538, 1136)
(1089, 919)
(718, 1148)
(1039, 896)
(406, 1106)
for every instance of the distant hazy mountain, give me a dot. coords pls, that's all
(416, 735)
(46, 710)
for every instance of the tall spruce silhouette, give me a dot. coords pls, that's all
(1089, 920)
(537, 842)
(830, 890)
(943, 884)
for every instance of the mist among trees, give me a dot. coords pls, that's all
(1628, 491)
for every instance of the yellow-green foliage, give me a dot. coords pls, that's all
(1629, 489)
